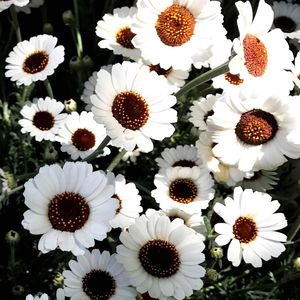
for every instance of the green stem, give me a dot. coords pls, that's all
(116, 160)
(202, 78)
(99, 150)
(15, 190)
(295, 228)
(79, 46)
(16, 23)
(48, 88)
(12, 261)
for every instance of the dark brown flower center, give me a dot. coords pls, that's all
(184, 163)
(68, 211)
(124, 37)
(183, 190)
(146, 296)
(159, 70)
(286, 24)
(256, 127)
(233, 79)
(159, 258)
(256, 55)
(175, 25)
(244, 230)
(120, 203)
(83, 139)
(36, 62)
(99, 285)
(43, 120)
(130, 110)
(208, 114)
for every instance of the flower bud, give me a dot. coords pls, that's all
(216, 253)
(17, 290)
(296, 263)
(70, 105)
(48, 28)
(58, 280)
(87, 62)
(75, 64)
(212, 274)
(12, 237)
(68, 18)
(50, 154)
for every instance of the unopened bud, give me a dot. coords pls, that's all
(76, 64)
(212, 274)
(48, 28)
(50, 154)
(68, 18)
(87, 62)
(216, 253)
(296, 263)
(17, 290)
(12, 237)
(70, 105)
(58, 280)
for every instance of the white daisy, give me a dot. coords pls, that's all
(202, 109)
(42, 118)
(171, 34)
(262, 55)
(129, 201)
(80, 135)
(89, 90)
(188, 189)
(260, 181)
(287, 18)
(34, 60)
(42, 297)
(222, 173)
(115, 30)
(134, 105)
(32, 4)
(162, 257)
(181, 156)
(69, 206)
(296, 70)
(7, 3)
(97, 275)
(250, 225)
(254, 133)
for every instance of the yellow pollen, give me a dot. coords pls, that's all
(124, 37)
(36, 62)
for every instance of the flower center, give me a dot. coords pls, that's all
(124, 37)
(233, 79)
(183, 190)
(184, 163)
(208, 114)
(36, 62)
(99, 285)
(68, 211)
(286, 24)
(256, 127)
(159, 70)
(175, 25)
(120, 203)
(83, 139)
(43, 120)
(244, 230)
(130, 110)
(159, 258)
(256, 55)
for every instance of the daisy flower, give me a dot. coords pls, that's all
(69, 206)
(7, 3)
(134, 105)
(97, 275)
(260, 181)
(254, 133)
(162, 257)
(202, 109)
(42, 297)
(32, 4)
(287, 18)
(188, 189)
(296, 70)
(171, 34)
(34, 60)
(181, 156)
(80, 135)
(116, 34)
(262, 55)
(222, 173)
(129, 201)
(42, 118)
(89, 90)
(250, 225)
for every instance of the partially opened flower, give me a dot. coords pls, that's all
(250, 226)
(170, 33)
(69, 206)
(162, 257)
(42, 118)
(7, 3)
(262, 55)
(129, 202)
(34, 60)
(255, 133)
(80, 134)
(97, 275)
(287, 18)
(116, 34)
(188, 189)
(134, 104)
